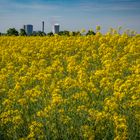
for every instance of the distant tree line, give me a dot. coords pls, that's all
(14, 32)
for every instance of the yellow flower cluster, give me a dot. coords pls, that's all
(71, 88)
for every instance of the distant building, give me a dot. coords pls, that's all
(28, 29)
(56, 28)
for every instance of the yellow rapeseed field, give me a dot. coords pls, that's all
(70, 88)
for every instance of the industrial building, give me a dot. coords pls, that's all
(56, 28)
(28, 29)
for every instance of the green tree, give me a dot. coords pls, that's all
(38, 33)
(64, 33)
(76, 33)
(50, 34)
(90, 32)
(22, 32)
(12, 32)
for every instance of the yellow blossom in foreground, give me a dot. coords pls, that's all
(70, 87)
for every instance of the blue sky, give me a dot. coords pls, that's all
(70, 14)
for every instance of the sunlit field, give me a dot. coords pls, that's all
(70, 88)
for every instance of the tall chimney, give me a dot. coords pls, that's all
(43, 26)
(24, 26)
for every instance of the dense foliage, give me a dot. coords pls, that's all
(12, 32)
(70, 88)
